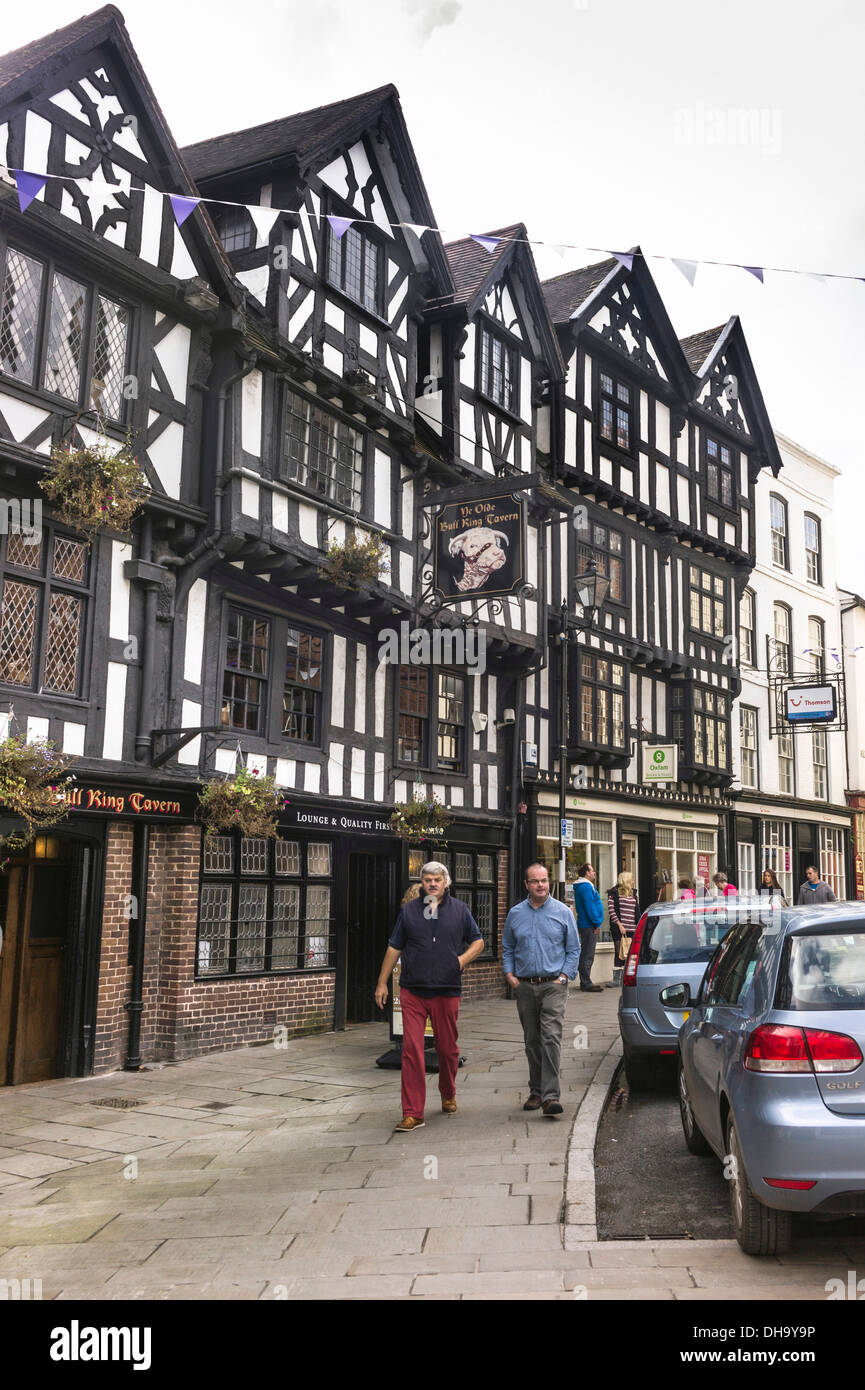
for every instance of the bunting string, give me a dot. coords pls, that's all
(29, 186)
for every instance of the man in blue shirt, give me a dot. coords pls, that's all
(540, 951)
(590, 914)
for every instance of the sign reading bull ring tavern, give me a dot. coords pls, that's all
(479, 548)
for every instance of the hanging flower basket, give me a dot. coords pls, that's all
(248, 802)
(33, 779)
(93, 488)
(355, 562)
(421, 822)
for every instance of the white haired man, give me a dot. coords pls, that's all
(436, 936)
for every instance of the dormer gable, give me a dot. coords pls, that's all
(726, 388)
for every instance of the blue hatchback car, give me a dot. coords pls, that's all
(770, 1066)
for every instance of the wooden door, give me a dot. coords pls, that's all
(371, 917)
(31, 969)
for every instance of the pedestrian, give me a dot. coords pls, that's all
(769, 884)
(590, 914)
(686, 887)
(624, 913)
(436, 937)
(814, 890)
(724, 889)
(540, 952)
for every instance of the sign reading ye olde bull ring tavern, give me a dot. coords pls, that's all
(479, 549)
(158, 803)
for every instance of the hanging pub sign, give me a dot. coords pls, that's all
(810, 704)
(479, 548)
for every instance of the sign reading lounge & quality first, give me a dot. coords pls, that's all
(479, 548)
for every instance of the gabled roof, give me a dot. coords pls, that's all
(699, 345)
(309, 136)
(472, 266)
(565, 293)
(31, 68)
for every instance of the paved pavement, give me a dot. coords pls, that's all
(274, 1172)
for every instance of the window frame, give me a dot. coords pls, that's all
(817, 553)
(271, 880)
(358, 501)
(711, 594)
(590, 552)
(317, 691)
(687, 716)
(818, 665)
(819, 739)
(595, 684)
(750, 660)
(782, 535)
(432, 721)
(601, 394)
(786, 758)
(241, 219)
(776, 645)
(755, 748)
(94, 292)
(732, 469)
(44, 581)
(488, 329)
(368, 240)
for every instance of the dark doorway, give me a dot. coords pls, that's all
(372, 908)
(635, 858)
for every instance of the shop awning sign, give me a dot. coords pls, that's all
(660, 762)
(810, 704)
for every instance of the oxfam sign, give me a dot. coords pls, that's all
(660, 763)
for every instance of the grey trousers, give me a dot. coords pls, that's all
(542, 1011)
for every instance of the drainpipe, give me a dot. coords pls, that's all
(143, 737)
(140, 856)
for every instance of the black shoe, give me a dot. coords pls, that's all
(592, 989)
(552, 1107)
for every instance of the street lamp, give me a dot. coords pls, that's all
(590, 592)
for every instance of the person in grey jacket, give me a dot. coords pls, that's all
(814, 890)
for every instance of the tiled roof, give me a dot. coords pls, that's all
(471, 263)
(304, 135)
(699, 345)
(565, 293)
(21, 61)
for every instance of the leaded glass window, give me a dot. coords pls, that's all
(498, 370)
(42, 616)
(66, 327)
(303, 682)
(322, 452)
(19, 319)
(616, 411)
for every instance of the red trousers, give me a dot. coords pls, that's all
(443, 1013)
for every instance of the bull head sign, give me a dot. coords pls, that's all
(479, 548)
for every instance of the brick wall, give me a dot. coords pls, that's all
(112, 1019)
(484, 978)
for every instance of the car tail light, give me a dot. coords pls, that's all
(630, 975)
(778, 1048)
(793, 1184)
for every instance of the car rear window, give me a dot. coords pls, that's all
(688, 934)
(823, 971)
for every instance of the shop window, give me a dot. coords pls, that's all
(681, 853)
(593, 844)
(63, 336)
(832, 866)
(603, 688)
(432, 735)
(43, 608)
(265, 906)
(473, 881)
(778, 854)
(747, 881)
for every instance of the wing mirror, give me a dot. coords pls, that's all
(676, 996)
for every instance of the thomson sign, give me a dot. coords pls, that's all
(810, 704)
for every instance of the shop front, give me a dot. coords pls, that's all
(786, 839)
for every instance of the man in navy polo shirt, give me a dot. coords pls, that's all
(437, 937)
(540, 954)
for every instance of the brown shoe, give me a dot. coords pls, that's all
(552, 1107)
(408, 1122)
(533, 1103)
(449, 1107)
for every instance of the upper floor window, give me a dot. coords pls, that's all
(602, 702)
(236, 229)
(720, 482)
(782, 624)
(45, 585)
(354, 266)
(786, 763)
(62, 336)
(813, 550)
(432, 712)
(708, 604)
(245, 673)
(604, 548)
(746, 628)
(321, 452)
(778, 526)
(699, 725)
(821, 769)
(748, 726)
(301, 695)
(817, 646)
(615, 411)
(498, 370)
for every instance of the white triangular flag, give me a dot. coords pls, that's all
(417, 227)
(688, 269)
(263, 219)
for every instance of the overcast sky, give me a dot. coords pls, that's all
(728, 131)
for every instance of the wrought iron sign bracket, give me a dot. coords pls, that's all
(186, 736)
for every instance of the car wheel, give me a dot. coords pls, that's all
(694, 1136)
(760, 1230)
(641, 1073)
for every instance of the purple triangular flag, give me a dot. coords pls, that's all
(29, 186)
(688, 269)
(754, 270)
(182, 206)
(339, 225)
(489, 243)
(625, 258)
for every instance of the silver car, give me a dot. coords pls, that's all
(672, 944)
(771, 1072)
